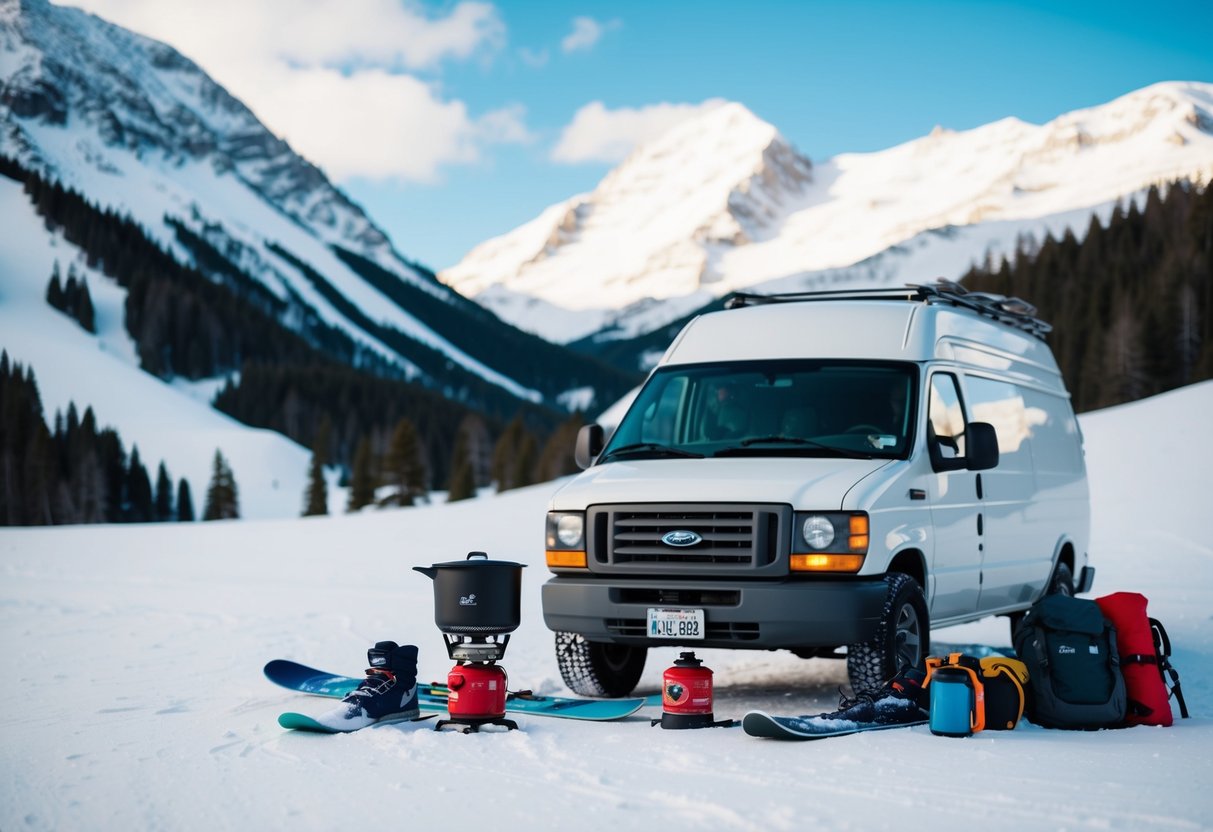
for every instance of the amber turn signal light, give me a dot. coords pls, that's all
(568, 560)
(826, 563)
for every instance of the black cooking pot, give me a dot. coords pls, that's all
(476, 596)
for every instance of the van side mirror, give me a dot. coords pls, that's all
(589, 445)
(981, 450)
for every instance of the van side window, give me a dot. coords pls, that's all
(947, 418)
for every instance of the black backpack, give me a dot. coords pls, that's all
(1073, 664)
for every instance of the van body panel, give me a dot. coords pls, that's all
(812, 484)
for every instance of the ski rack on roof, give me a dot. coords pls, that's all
(1013, 312)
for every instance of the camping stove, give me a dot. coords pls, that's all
(476, 606)
(476, 684)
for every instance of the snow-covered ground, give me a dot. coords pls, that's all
(133, 695)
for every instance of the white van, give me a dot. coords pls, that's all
(819, 471)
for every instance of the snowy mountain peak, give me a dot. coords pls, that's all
(114, 90)
(722, 202)
(722, 178)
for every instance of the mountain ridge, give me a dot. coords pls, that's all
(142, 130)
(850, 209)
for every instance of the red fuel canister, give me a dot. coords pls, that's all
(686, 694)
(477, 691)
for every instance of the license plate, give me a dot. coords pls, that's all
(677, 624)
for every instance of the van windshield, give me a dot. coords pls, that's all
(771, 408)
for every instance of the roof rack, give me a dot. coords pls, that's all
(1014, 312)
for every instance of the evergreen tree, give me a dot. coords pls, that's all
(403, 468)
(558, 457)
(222, 497)
(54, 289)
(505, 452)
(82, 308)
(138, 490)
(316, 501)
(478, 446)
(463, 481)
(523, 472)
(362, 478)
(164, 496)
(185, 502)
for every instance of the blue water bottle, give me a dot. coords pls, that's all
(952, 702)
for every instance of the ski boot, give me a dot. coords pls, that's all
(902, 701)
(387, 694)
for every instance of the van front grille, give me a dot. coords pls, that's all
(721, 537)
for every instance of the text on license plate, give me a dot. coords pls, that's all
(676, 623)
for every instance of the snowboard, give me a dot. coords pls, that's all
(433, 697)
(302, 722)
(762, 724)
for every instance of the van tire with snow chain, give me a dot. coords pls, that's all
(903, 637)
(593, 669)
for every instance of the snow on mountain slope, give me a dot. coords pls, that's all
(669, 226)
(138, 128)
(134, 694)
(722, 177)
(173, 424)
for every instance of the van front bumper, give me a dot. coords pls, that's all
(755, 614)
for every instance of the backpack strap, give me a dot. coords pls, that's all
(1162, 646)
(1138, 658)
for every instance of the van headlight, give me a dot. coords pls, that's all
(565, 539)
(829, 541)
(818, 531)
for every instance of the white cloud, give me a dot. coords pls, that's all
(331, 76)
(586, 32)
(372, 124)
(505, 126)
(532, 58)
(597, 134)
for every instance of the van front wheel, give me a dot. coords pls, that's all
(903, 637)
(593, 669)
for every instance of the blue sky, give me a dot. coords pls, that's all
(454, 122)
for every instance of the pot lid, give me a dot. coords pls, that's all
(477, 560)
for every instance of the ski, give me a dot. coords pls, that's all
(762, 724)
(432, 697)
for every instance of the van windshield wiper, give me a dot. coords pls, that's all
(654, 448)
(747, 446)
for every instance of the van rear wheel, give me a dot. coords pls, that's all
(1060, 583)
(591, 668)
(903, 637)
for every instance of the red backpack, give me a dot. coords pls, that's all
(1145, 663)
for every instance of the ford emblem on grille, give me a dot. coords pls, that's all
(680, 537)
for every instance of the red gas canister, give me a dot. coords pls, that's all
(686, 694)
(477, 691)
